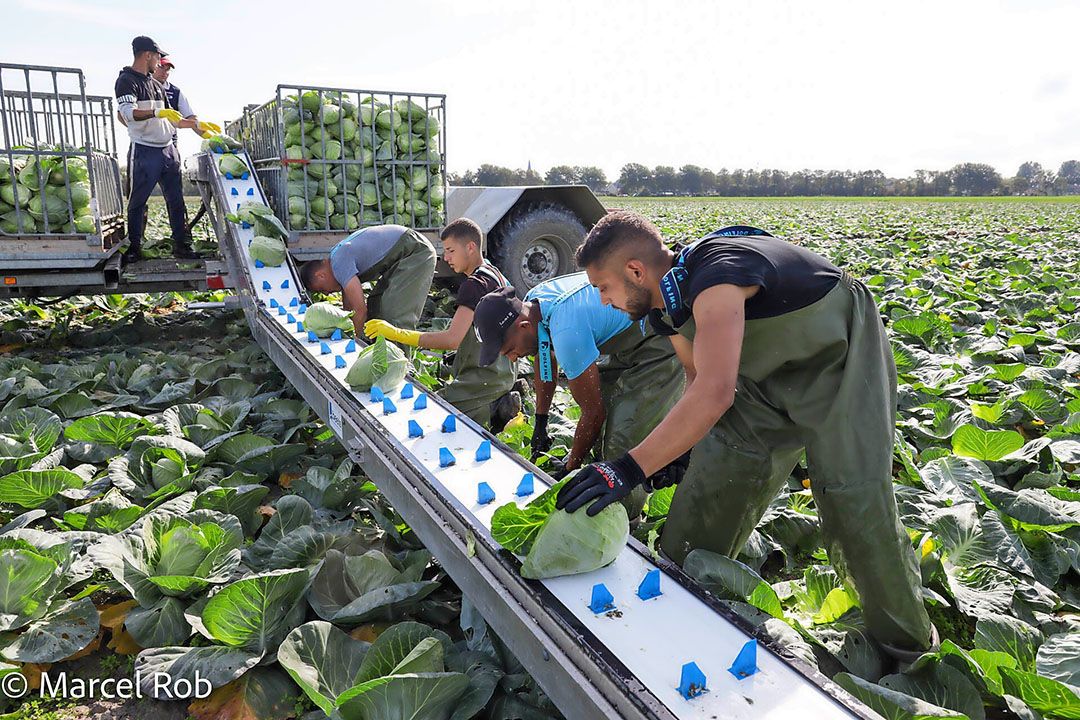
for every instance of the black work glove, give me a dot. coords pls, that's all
(541, 443)
(602, 482)
(672, 473)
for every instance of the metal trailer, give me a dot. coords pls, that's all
(625, 658)
(532, 232)
(47, 118)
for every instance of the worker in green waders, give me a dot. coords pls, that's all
(784, 352)
(622, 375)
(483, 393)
(398, 260)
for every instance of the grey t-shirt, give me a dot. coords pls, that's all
(357, 253)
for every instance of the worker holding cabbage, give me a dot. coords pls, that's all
(623, 377)
(785, 354)
(400, 263)
(482, 393)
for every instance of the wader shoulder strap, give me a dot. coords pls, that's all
(350, 236)
(490, 270)
(737, 231)
(671, 289)
(543, 331)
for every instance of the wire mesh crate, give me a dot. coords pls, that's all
(332, 160)
(59, 174)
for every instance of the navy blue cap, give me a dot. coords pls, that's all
(143, 43)
(494, 315)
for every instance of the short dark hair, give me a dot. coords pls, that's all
(465, 229)
(308, 270)
(621, 231)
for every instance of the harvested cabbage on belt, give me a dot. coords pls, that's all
(555, 542)
(380, 364)
(324, 318)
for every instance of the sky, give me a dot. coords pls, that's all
(829, 84)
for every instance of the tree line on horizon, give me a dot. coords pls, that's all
(964, 179)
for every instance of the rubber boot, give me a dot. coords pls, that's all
(132, 254)
(184, 251)
(906, 658)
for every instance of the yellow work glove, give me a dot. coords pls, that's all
(209, 127)
(169, 114)
(381, 328)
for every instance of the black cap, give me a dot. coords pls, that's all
(494, 314)
(143, 43)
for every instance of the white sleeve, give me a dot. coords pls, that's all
(185, 106)
(126, 107)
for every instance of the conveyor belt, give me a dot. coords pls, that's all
(624, 664)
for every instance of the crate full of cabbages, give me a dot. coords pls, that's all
(59, 174)
(334, 160)
(42, 194)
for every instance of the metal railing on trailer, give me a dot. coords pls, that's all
(334, 159)
(61, 204)
(627, 663)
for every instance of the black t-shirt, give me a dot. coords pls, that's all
(789, 277)
(486, 279)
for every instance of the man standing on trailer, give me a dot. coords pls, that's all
(623, 376)
(179, 101)
(153, 158)
(398, 260)
(483, 393)
(785, 353)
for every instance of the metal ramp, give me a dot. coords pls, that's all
(624, 664)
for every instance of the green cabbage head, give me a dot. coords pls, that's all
(221, 143)
(231, 164)
(271, 251)
(248, 212)
(555, 542)
(571, 543)
(324, 318)
(382, 364)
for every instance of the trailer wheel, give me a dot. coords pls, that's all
(536, 243)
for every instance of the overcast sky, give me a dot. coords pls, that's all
(827, 84)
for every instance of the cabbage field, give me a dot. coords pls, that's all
(168, 502)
